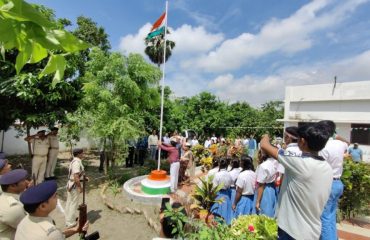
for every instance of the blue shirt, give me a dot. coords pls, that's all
(252, 143)
(356, 154)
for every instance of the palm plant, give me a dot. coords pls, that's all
(206, 194)
(155, 46)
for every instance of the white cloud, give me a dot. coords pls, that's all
(134, 43)
(188, 39)
(259, 89)
(288, 36)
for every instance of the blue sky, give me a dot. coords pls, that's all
(242, 50)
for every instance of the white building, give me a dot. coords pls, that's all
(347, 104)
(14, 143)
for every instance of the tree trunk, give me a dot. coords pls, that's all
(106, 158)
(28, 143)
(2, 141)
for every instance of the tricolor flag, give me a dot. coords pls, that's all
(158, 27)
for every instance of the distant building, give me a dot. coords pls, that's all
(347, 104)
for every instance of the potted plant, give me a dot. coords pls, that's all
(205, 196)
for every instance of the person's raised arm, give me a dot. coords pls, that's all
(267, 147)
(340, 138)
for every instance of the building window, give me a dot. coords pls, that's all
(360, 134)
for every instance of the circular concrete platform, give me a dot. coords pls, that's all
(132, 190)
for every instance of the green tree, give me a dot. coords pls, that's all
(119, 91)
(155, 49)
(32, 86)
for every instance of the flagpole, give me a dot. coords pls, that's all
(162, 92)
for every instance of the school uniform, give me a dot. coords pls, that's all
(246, 181)
(333, 153)
(223, 209)
(212, 172)
(266, 174)
(234, 175)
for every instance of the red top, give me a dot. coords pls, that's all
(173, 153)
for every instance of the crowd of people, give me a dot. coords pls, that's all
(297, 181)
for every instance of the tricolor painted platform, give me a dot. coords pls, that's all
(157, 183)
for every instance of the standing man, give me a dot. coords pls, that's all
(306, 184)
(356, 153)
(74, 187)
(153, 144)
(252, 146)
(53, 153)
(333, 153)
(39, 201)
(4, 168)
(40, 146)
(13, 184)
(207, 143)
(142, 146)
(173, 158)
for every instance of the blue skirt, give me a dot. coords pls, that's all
(268, 201)
(245, 205)
(232, 199)
(223, 209)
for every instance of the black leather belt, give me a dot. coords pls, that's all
(336, 178)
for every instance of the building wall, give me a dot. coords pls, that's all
(14, 144)
(346, 103)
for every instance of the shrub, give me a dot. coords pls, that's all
(356, 196)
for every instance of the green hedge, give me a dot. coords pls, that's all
(356, 196)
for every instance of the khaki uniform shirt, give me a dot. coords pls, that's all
(54, 141)
(11, 214)
(40, 147)
(74, 167)
(38, 228)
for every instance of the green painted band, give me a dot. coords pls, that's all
(155, 191)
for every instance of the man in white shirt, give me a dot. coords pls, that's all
(207, 143)
(333, 153)
(153, 144)
(306, 185)
(194, 141)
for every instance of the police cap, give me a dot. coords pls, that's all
(39, 193)
(13, 177)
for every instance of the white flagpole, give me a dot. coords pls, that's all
(162, 92)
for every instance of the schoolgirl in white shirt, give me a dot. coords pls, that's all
(266, 195)
(245, 188)
(223, 178)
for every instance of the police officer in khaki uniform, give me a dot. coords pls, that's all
(53, 153)
(11, 209)
(74, 187)
(39, 201)
(4, 168)
(40, 146)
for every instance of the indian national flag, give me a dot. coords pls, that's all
(158, 27)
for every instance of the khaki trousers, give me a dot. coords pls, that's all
(71, 207)
(52, 162)
(39, 167)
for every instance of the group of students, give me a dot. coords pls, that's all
(299, 185)
(25, 205)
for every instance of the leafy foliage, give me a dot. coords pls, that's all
(118, 96)
(206, 193)
(155, 49)
(206, 114)
(254, 227)
(178, 218)
(356, 196)
(26, 29)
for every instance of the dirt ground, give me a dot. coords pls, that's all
(111, 224)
